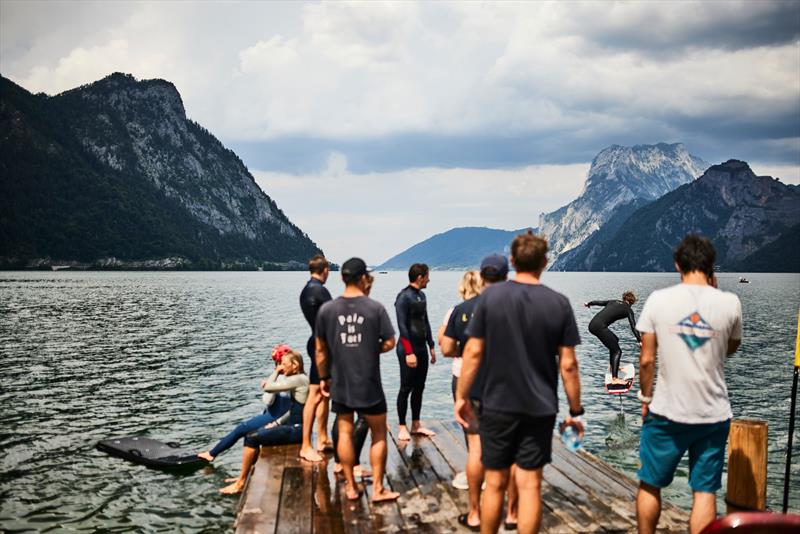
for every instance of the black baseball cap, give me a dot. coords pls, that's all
(353, 269)
(494, 265)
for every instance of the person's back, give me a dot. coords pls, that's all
(523, 325)
(692, 324)
(353, 327)
(690, 328)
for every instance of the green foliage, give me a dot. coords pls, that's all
(60, 201)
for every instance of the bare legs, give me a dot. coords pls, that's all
(307, 450)
(513, 496)
(323, 441)
(474, 478)
(249, 457)
(704, 511)
(648, 509)
(377, 456)
(529, 491)
(492, 501)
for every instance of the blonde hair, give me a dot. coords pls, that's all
(470, 285)
(295, 356)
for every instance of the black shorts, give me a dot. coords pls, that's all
(512, 438)
(343, 409)
(313, 374)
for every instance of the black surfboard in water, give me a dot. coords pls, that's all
(151, 453)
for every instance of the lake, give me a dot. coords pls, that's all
(179, 356)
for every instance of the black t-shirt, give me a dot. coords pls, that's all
(522, 326)
(313, 296)
(457, 329)
(354, 329)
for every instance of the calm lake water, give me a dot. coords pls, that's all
(179, 356)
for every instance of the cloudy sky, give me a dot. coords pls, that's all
(376, 125)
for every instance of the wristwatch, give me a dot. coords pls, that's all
(576, 413)
(641, 397)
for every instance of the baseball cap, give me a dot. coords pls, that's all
(494, 265)
(353, 269)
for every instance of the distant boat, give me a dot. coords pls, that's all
(744, 280)
(59, 267)
(383, 272)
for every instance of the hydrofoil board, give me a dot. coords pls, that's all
(151, 452)
(627, 372)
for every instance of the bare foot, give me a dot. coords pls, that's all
(353, 494)
(361, 472)
(234, 488)
(326, 445)
(422, 431)
(310, 455)
(206, 456)
(233, 479)
(337, 468)
(403, 434)
(383, 495)
(619, 381)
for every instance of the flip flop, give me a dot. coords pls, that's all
(462, 520)
(509, 526)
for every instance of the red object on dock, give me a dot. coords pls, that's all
(755, 523)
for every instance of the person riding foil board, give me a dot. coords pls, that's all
(613, 311)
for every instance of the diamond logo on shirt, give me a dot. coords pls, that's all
(694, 330)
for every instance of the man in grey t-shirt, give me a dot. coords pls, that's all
(693, 326)
(352, 331)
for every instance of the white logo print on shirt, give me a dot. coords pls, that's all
(352, 336)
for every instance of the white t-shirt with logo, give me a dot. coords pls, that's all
(692, 324)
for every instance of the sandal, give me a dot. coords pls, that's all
(462, 520)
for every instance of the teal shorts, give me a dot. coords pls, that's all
(664, 442)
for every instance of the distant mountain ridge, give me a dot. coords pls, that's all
(618, 175)
(753, 221)
(113, 174)
(456, 249)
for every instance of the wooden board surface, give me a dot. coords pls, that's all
(284, 494)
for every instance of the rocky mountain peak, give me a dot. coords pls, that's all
(619, 175)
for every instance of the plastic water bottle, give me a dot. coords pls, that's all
(571, 439)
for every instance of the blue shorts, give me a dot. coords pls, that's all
(664, 442)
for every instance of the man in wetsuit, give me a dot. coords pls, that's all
(613, 311)
(416, 340)
(313, 296)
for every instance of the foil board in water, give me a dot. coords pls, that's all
(151, 452)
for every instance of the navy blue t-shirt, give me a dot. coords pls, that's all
(522, 326)
(457, 329)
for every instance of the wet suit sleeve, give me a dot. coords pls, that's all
(401, 308)
(632, 321)
(598, 303)
(428, 332)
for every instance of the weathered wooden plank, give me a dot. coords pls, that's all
(327, 511)
(262, 494)
(452, 451)
(294, 511)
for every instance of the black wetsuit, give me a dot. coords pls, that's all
(415, 338)
(613, 311)
(313, 296)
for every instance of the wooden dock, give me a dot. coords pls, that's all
(286, 495)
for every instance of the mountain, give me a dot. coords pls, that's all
(456, 249)
(618, 175)
(113, 174)
(753, 221)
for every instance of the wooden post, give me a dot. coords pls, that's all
(747, 466)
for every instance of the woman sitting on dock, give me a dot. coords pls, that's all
(288, 428)
(277, 405)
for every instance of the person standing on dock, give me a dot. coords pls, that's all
(693, 327)
(527, 333)
(494, 269)
(352, 332)
(313, 296)
(613, 311)
(416, 340)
